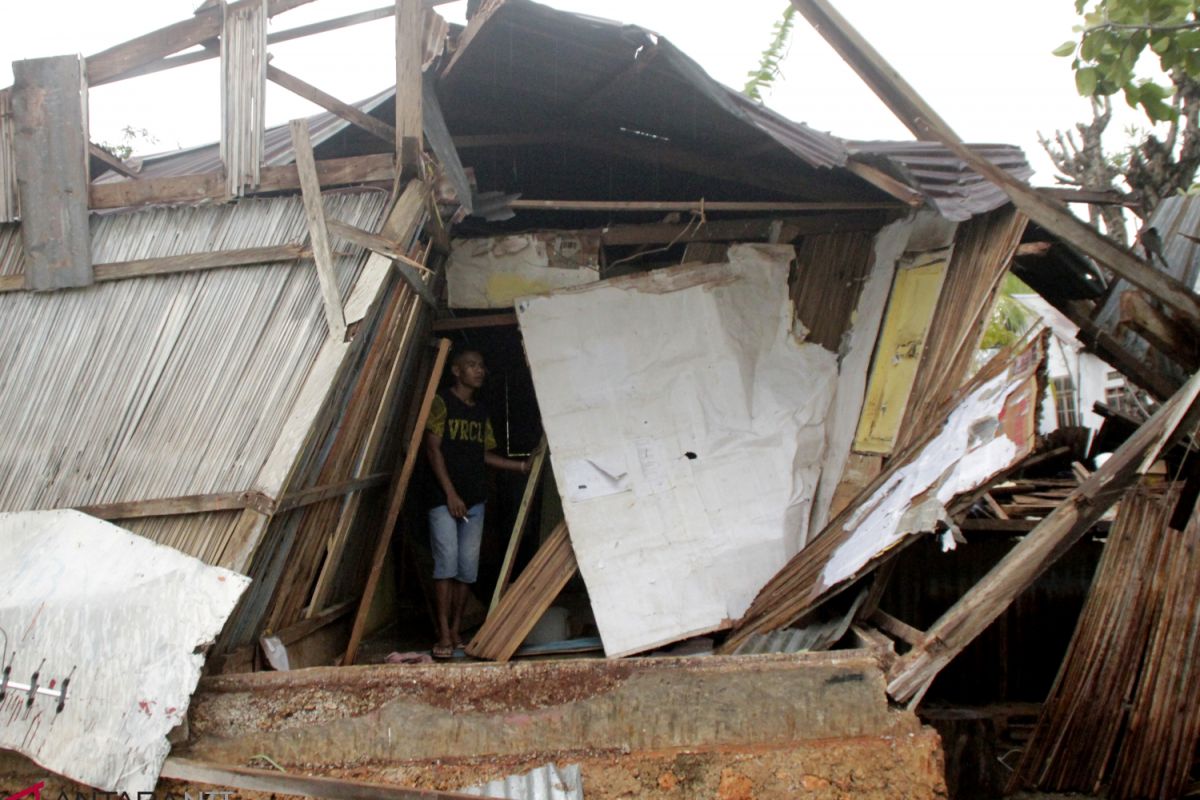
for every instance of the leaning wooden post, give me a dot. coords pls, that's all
(518, 529)
(410, 18)
(314, 209)
(396, 502)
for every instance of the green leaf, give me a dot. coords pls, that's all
(1065, 49)
(1086, 80)
(1132, 96)
(1161, 44)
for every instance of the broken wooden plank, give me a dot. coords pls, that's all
(409, 121)
(1066, 194)
(698, 206)
(410, 270)
(1111, 349)
(525, 603)
(176, 506)
(211, 185)
(467, 323)
(50, 143)
(191, 262)
(897, 629)
(314, 209)
(925, 124)
(119, 61)
(377, 128)
(317, 494)
(881, 180)
(519, 523)
(111, 161)
(1163, 333)
(396, 498)
(784, 229)
(967, 618)
(286, 783)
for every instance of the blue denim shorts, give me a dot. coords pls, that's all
(455, 543)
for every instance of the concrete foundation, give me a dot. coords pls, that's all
(813, 725)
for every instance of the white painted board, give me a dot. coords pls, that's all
(494, 272)
(686, 426)
(121, 616)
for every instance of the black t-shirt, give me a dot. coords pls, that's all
(466, 433)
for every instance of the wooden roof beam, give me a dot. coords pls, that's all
(211, 185)
(377, 128)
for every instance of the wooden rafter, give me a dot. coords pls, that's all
(210, 185)
(377, 128)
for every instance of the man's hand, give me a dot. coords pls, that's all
(456, 506)
(527, 466)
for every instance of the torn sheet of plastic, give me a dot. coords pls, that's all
(686, 426)
(100, 629)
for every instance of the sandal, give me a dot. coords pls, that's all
(442, 652)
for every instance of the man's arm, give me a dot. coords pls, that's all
(497, 461)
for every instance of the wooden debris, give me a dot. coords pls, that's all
(967, 618)
(518, 530)
(523, 605)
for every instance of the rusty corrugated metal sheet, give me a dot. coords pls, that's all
(953, 188)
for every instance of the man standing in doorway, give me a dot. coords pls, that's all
(459, 444)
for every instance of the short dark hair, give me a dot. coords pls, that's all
(458, 355)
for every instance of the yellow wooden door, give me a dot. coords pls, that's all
(915, 292)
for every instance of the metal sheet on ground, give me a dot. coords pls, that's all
(119, 616)
(686, 429)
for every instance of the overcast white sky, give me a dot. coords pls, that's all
(985, 67)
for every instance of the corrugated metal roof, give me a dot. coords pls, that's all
(956, 190)
(169, 385)
(545, 783)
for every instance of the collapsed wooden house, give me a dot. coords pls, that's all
(228, 352)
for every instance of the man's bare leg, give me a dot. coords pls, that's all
(444, 593)
(460, 602)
